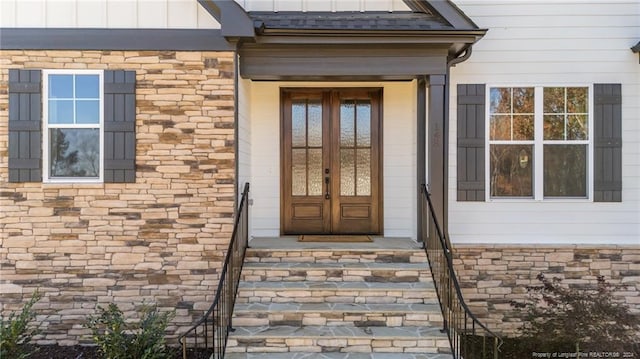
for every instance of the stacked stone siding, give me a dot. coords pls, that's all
(160, 239)
(494, 275)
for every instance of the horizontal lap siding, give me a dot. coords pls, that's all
(548, 44)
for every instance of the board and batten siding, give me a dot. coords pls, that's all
(399, 153)
(553, 43)
(324, 5)
(151, 14)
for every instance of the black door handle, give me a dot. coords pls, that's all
(327, 195)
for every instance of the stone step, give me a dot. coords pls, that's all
(336, 256)
(337, 314)
(302, 355)
(323, 339)
(337, 292)
(314, 271)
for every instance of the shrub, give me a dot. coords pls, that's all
(563, 319)
(118, 338)
(15, 332)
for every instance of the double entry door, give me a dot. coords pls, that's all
(331, 162)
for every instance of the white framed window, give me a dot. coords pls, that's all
(73, 126)
(539, 142)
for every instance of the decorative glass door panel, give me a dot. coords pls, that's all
(331, 161)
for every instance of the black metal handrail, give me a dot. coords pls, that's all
(469, 338)
(208, 337)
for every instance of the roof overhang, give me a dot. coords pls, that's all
(356, 46)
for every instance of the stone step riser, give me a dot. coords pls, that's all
(335, 256)
(335, 275)
(367, 319)
(337, 296)
(330, 345)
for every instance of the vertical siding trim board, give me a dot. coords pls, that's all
(607, 143)
(119, 126)
(471, 142)
(25, 126)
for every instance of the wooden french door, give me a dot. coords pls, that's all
(331, 162)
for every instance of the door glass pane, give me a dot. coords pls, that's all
(74, 152)
(347, 172)
(299, 172)
(511, 170)
(315, 172)
(347, 124)
(299, 124)
(363, 124)
(363, 170)
(565, 170)
(315, 123)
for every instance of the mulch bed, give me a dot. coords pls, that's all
(91, 352)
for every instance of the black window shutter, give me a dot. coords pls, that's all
(119, 126)
(607, 120)
(25, 126)
(471, 136)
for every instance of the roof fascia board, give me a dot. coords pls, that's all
(386, 39)
(234, 20)
(113, 39)
(445, 8)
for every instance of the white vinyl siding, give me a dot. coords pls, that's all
(155, 14)
(553, 43)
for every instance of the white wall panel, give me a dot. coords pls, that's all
(8, 13)
(555, 43)
(121, 14)
(30, 13)
(152, 14)
(61, 13)
(105, 14)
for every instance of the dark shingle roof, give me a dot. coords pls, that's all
(348, 21)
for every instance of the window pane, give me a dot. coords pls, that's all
(364, 172)
(363, 113)
(60, 86)
(347, 172)
(554, 127)
(74, 152)
(500, 100)
(523, 127)
(577, 127)
(577, 99)
(511, 170)
(299, 124)
(523, 100)
(315, 123)
(554, 99)
(315, 172)
(88, 112)
(87, 86)
(347, 124)
(60, 111)
(500, 127)
(565, 170)
(299, 172)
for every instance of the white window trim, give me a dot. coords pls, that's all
(538, 145)
(45, 126)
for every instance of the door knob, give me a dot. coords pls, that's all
(327, 195)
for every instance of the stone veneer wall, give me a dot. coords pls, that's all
(494, 275)
(160, 239)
